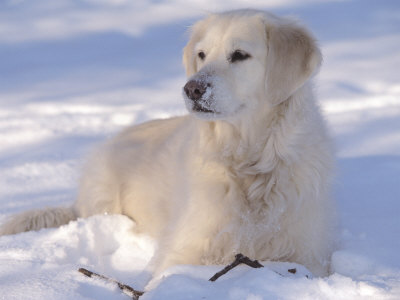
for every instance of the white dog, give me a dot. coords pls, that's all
(247, 171)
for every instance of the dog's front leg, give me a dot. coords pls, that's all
(182, 245)
(176, 248)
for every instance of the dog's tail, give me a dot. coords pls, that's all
(38, 219)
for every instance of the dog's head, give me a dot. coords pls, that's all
(236, 60)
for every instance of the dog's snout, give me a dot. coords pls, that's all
(195, 89)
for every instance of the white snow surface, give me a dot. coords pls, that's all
(73, 73)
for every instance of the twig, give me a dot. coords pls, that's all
(123, 287)
(293, 271)
(239, 259)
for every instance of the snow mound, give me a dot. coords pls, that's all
(46, 264)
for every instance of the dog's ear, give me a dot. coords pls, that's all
(189, 61)
(292, 58)
(189, 57)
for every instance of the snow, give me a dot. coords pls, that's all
(76, 72)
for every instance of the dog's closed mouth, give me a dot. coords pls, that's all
(199, 108)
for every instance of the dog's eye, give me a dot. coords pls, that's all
(201, 55)
(238, 55)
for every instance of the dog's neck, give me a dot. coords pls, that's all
(250, 146)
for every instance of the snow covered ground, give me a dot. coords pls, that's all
(73, 73)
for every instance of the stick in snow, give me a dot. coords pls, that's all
(123, 287)
(239, 259)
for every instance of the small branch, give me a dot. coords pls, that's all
(239, 259)
(123, 287)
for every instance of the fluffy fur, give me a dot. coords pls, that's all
(248, 173)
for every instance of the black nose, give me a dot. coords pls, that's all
(195, 89)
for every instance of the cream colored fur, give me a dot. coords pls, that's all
(253, 177)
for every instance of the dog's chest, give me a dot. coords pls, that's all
(255, 189)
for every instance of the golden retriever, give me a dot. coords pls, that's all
(248, 170)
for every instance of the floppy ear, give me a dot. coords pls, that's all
(189, 57)
(189, 61)
(293, 57)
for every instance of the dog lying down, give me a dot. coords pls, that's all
(248, 170)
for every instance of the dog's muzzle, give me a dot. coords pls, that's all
(195, 91)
